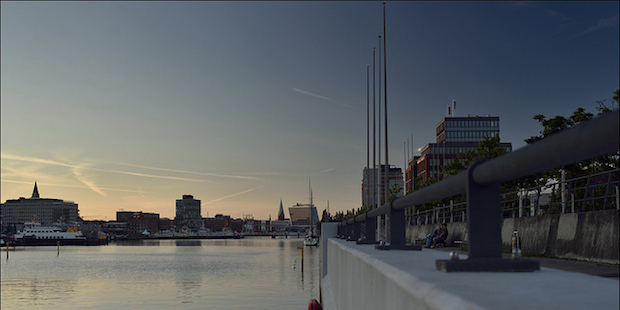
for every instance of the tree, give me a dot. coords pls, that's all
(326, 217)
(488, 148)
(555, 125)
(559, 123)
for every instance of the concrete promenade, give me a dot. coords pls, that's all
(360, 277)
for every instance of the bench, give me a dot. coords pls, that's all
(462, 243)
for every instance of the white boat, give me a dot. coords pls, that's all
(311, 238)
(37, 234)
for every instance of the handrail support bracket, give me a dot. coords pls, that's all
(485, 232)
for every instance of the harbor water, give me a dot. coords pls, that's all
(251, 273)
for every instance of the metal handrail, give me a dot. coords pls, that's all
(457, 208)
(591, 139)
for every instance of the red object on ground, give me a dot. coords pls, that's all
(314, 305)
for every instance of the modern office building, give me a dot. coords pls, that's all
(302, 213)
(395, 179)
(42, 210)
(188, 214)
(454, 135)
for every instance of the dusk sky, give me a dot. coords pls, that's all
(130, 105)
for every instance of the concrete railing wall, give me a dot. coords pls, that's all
(589, 236)
(361, 277)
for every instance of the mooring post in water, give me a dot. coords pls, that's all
(7, 250)
(57, 248)
(302, 259)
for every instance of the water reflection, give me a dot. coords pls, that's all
(188, 242)
(177, 274)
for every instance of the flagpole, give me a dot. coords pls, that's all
(367, 204)
(379, 191)
(374, 137)
(387, 165)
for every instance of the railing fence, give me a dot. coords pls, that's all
(485, 207)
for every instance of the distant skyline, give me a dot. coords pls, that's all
(130, 105)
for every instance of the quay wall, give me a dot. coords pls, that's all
(591, 236)
(361, 277)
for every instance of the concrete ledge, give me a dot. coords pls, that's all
(591, 236)
(361, 277)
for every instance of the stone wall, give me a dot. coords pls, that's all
(589, 236)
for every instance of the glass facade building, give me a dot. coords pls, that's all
(395, 176)
(188, 215)
(454, 135)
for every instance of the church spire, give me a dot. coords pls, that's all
(35, 192)
(281, 212)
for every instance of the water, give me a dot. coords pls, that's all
(251, 273)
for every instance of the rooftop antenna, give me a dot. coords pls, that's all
(453, 107)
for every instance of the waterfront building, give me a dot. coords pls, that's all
(188, 214)
(42, 210)
(138, 222)
(301, 214)
(395, 181)
(218, 223)
(454, 135)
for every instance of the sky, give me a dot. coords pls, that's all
(131, 105)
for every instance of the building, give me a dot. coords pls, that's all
(42, 210)
(302, 214)
(395, 181)
(218, 223)
(454, 135)
(188, 214)
(138, 222)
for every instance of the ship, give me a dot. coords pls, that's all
(311, 239)
(36, 234)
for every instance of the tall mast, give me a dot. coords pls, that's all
(379, 125)
(367, 141)
(387, 164)
(311, 204)
(374, 131)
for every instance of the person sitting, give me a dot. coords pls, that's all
(439, 236)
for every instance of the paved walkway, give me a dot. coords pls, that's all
(586, 267)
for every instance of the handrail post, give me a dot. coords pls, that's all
(369, 234)
(397, 231)
(357, 228)
(349, 231)
(484, 232)
(342, 231)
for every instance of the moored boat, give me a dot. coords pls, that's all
(37, 234)
(311, 238)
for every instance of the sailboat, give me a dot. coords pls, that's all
(311, 239)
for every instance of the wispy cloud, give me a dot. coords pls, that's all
(34, 160)
(301, 91)
(326, 170)
(602, 24)
(558, 15)
(233, 195)
(80, 175)
(73, 186)
(77, 172)
(220, 175)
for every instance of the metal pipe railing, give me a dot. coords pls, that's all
(481, 181)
